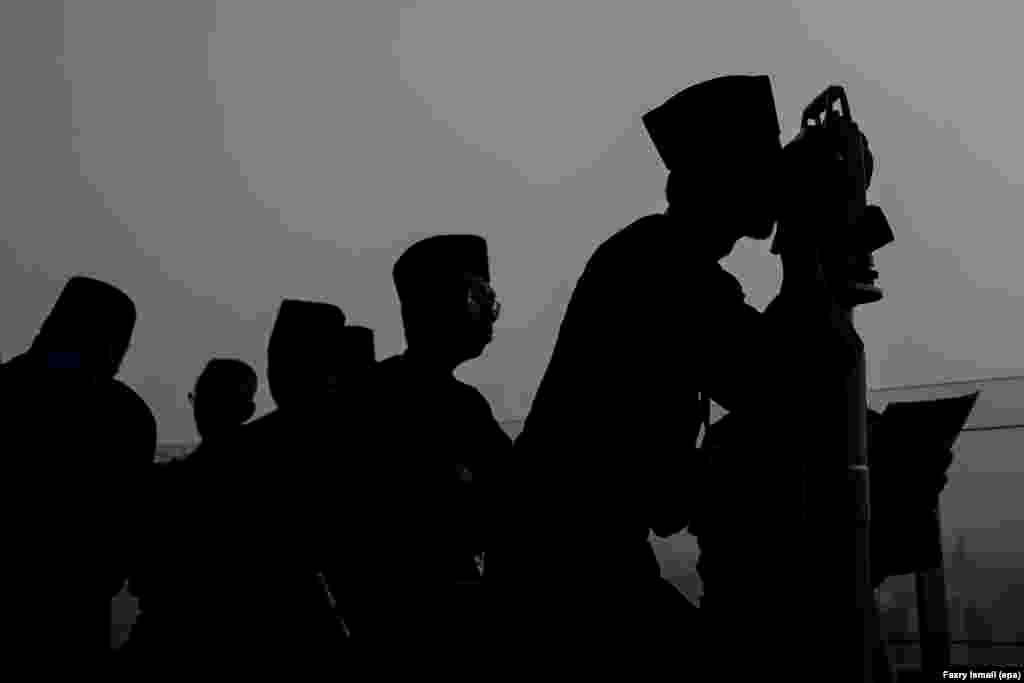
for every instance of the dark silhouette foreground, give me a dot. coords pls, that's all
(341, 535)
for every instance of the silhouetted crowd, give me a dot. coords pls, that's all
(379, 525)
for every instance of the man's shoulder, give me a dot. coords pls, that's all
(652, 249)
(651, 245)
(644, 232)
(624, 257)
(652, 221)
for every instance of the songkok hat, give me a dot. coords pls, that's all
(723, 114)
(303, 328)
(89, 311)
(440, 259)
(357, 343)
(230, 374)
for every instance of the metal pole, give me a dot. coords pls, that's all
(842, 628)
(933, 611)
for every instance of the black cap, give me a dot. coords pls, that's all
(724, 113)
(89, 311)
(358, 347)
(438, 259)
(231, 374)
(307, 327)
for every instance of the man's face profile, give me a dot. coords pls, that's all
(482, 308)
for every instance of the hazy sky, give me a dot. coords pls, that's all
(212, 158)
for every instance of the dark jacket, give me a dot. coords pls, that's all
(430, 448)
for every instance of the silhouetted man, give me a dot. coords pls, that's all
(164, 581)
(607, 446)
(271, 614)
(435, 445)
(63, 409)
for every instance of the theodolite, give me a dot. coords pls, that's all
(835, 529)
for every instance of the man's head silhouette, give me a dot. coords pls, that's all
(224, 396)
(303, 352)
(91, 318)
(448, 306)
(719, 140)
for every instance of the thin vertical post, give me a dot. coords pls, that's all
(933, 610)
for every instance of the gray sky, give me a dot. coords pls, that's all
(213, 157)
